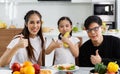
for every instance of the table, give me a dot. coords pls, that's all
(117, 34)
(82, 70)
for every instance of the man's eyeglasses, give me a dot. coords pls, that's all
(94, 29)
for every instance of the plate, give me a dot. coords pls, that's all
(48, 71)
(5, 71)
(55, 67)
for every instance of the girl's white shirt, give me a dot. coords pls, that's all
(63, 55)
(21, 55)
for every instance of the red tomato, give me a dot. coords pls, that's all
(111, 73)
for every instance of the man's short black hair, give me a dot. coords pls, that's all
(92, 19)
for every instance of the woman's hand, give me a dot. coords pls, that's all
(22, 42)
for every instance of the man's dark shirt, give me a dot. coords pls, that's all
(109, 50)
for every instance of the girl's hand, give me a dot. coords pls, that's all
(57, 44)
(22, 42)
(66, 40)
(53, 45)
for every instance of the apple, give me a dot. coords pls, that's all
(15, 67)
(37, 68)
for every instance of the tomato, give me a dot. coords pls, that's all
(111, 73)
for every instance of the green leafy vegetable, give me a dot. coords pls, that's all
(60, 68)
(72, 67)
(100, 68)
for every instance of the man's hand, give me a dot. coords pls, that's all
(96, 58)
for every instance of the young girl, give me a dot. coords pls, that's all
(62, 54)
(29, 44)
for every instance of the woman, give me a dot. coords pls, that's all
(29, 44)
(62, 54)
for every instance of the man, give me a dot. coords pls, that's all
(99, 48)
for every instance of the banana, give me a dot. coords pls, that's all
(66, 35)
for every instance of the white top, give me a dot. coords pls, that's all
(64, 55)
(21, 55)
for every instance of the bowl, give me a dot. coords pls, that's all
(93, 72)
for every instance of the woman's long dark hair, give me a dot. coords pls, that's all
(64, 18)
(26, 34)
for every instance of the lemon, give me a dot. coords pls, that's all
(16, 72)
(29, 70)
(27, 63)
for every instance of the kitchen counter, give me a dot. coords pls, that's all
(6, 36)
(117, 34)
(83, 34)
(54, 34)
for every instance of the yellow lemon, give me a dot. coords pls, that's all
(29, 70)
(22, 70)
(27, 63)
(16, 72)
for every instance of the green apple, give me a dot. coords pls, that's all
(75, 29)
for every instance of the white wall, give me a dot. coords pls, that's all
(51, 12)
(4, 16)
(118, 14)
